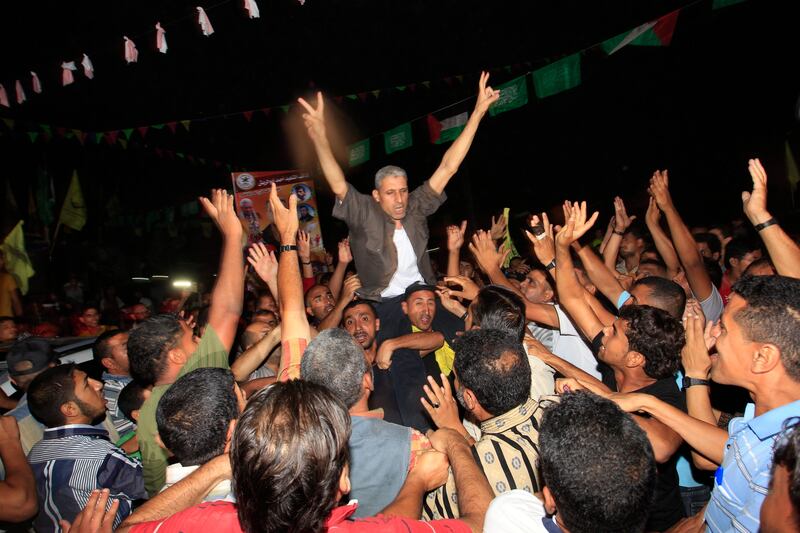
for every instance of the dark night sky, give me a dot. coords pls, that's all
(723, 91)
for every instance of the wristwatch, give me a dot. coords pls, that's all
(764, 225)
(688, 382)
(287, 248)
(551, 265)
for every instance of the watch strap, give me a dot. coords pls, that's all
(764, 225)
(287, 248)
(689, 382)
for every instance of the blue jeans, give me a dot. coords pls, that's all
(694, 499)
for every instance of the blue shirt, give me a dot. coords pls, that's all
(743, 479)
(69, 463)
(112, 386)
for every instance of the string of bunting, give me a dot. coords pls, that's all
(553, 78)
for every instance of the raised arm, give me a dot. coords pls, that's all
(228, 293)
(315, 124)
(423, 342)
(458, 150)
(685, 245)
(334, 318)
(304, 252)
(265, 265)
(783, 251)
(337, 278)
(570, 291)
(621, 223)
(254, 357)
(599, 273)
(18, 489)
(661, 240)
(455, 240)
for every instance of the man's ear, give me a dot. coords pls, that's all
(69, 409)
(376, 195)
(309, 312)
(135, 415)
(176, 356)
(549, 501)
(634, 359)
(765, 359)
(344, 480)
(377, 324)
(367, 382)
(404, 307)
(470, 400)
(107, 363)
(229, 436)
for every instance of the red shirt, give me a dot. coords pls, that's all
(224, 518)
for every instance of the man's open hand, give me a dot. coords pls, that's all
(455, 236)
(220, 209)
(754, 203)
(285, 219)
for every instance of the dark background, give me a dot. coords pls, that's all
(724, 91)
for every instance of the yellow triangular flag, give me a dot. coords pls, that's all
(508, 244)
(791, 171)
(18, 263)
(73, 212)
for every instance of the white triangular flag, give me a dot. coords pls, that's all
(131, 53)
(66, 72)
(161, 39)
(88, 68)
(37, 85)
(252, 9)
(20, 93)
(205, 24)
(3, 96)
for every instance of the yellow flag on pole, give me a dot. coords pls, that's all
(18, 263)
(508, 243)
(73, 212)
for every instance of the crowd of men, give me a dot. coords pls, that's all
(590, 387)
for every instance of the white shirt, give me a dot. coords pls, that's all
(222, 491)
(515, 511)
(570, 346)
(407, 271)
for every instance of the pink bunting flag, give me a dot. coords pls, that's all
(20, 93)
(248, 115)
(37, 85)
(205, 24)
(66, 72)
(3, 96)
(142, 131)
(252, 9)
(161, 39)
(88, 68)
(131, 53)
(172, 126)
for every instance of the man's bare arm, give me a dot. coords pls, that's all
(18, 489)
(334, 318)
(254, 357)
(663, 243)
(422, 341)
(315, 123)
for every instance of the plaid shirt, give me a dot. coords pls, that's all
(72, 461)
(742, 481)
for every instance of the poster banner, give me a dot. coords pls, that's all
(251, 191)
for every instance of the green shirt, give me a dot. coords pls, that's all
(210, 353)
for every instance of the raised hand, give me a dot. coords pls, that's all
(349, 288)
(621, 219)
(576, 226)
(755, 203)
(220, 209)
(285, 218)
(653, 215)
(303, 246)
(498, 229)
(345, 255)
(486, 95)
(263, 262)
(543, 244)
(694, 355)
(455, 236)
(485, 251)
(659, 189)
(441, 405)
(469, 289)
(314, 119)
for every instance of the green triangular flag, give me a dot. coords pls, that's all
(719, 4)
(69, 134)
(97, 137)
(352, 96)
(128, 132)
(401, 87)
(180, 154)
(46, 129)
(359, 152)
(158, 126)
(427, 84)
(397, 138)
(557, 76)
(33, 135)
(285, 108)
(513, 94)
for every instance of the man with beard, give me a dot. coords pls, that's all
(74, 458)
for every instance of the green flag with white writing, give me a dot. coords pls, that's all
(558, 76)
(398, 138)
(359, 152)
(513, 94)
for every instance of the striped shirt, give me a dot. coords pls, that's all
(508, 454)
(69, 463)
(742, 482)
(112, 386)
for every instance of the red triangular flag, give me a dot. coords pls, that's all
(362, 96)
(338, 99)
(159, 152)
(143, 130)
(266, 111)
(665, 27)
(111, 136)
(60, 131)
(248, 115)
(172, 126)
(435, 128)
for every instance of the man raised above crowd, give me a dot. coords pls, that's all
(389, 229)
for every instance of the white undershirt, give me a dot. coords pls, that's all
(407, 271)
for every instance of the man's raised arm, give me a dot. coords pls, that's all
(783, 251)
(228, 293)
(315, 123)
(458, 150)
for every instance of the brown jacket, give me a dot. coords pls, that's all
(372, 232)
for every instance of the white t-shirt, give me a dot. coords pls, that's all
(515, 511)
(407, 271)
(570, 346)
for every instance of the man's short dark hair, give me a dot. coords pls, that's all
(49, 391)
(658, 263)
(194, 414)
(130, 399)
(597, 463)
(148, 345)
(710, 240)
(289, 449)
(666, 293)
(493, 365)
(657, 335)
(739, 247)
(772, 315)
(758, 263)
(357, 302)
(500, 308)
(334, 359)
(100, 348)
(639, 231)
(6, 319)
(787, 450)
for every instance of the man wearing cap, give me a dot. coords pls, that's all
(389, 228)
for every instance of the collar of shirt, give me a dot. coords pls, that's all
(340, 514)
(509, 419)
(116, 377)
(372, 413)
(771, 422)
(72, 430)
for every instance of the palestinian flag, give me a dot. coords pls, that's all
(448, 129)
(655, 33)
